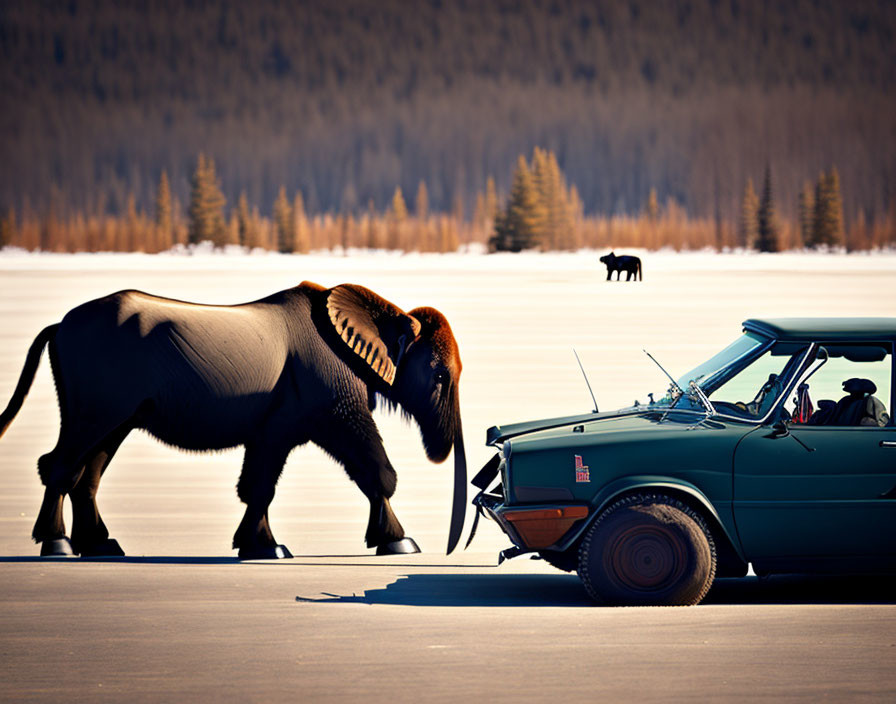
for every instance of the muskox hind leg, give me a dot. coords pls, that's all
(74, 468)
(262, 466)
(49, 528)
(82, 449)
(59, 471)
(90, 537)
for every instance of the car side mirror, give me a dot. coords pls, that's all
(780, 430)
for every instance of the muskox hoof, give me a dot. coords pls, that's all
(60, 547)
(271, 552)
(405, 546)
(104, 548)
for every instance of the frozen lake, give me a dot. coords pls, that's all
(516, 317)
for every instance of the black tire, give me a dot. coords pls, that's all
(567, 561)
(648, 550)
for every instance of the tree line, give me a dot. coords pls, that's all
(345, 101)
(542, 210)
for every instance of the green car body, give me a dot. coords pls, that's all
(783, 491)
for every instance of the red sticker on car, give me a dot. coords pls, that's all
(582, 473)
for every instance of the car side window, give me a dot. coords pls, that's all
(753, 391)
(851, 387)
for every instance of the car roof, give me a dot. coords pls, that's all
(824, 329)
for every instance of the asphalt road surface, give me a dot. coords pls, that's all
(180, 619)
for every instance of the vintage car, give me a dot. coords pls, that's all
(779, 451)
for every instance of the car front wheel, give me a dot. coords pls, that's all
(648, 550)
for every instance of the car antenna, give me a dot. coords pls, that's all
(586, 380)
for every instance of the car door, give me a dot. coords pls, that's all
(821, 493)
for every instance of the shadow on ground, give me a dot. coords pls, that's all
(471, 590)
(495, 590)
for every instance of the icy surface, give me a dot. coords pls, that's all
(516, 317)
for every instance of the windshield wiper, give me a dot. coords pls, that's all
(696, 391)
(675, 391)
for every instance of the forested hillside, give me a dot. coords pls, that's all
(347, 100)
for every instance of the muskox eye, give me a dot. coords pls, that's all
(441, 376)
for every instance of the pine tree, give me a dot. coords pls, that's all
(372, 230)
(345, 229)
(216, 203)
(748, 225)
(242, 219)
(766, 224)
(805, 212)
(284, 223)
(164, 219)
(827, 220)
(448, 239)
(398, 214)
(561, 214)
(421, 220)
(399, 210)
(555, 231)
(421, 208)
(206, 210)
(518, 228)
(302, 240)
(256, 231)
(836, 202)
(545, 190)
(129, 240)
(500, 240)
(232, 229)
(7, 228)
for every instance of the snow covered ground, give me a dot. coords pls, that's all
(516, 317)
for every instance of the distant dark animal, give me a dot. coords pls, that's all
(630, 265)
(305, 364)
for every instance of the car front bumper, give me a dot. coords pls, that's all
(529, 527)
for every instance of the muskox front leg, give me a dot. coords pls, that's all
(262, 466)
(359, 448)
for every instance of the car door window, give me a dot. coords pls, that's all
(851, 387)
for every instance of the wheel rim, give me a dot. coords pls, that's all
(646, 558)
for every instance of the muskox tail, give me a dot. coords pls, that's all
(27, 376)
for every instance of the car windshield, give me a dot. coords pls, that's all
(742, 348)
(745, 380)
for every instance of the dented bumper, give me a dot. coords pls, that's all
(529, 528)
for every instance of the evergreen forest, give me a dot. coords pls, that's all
(419, 125)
